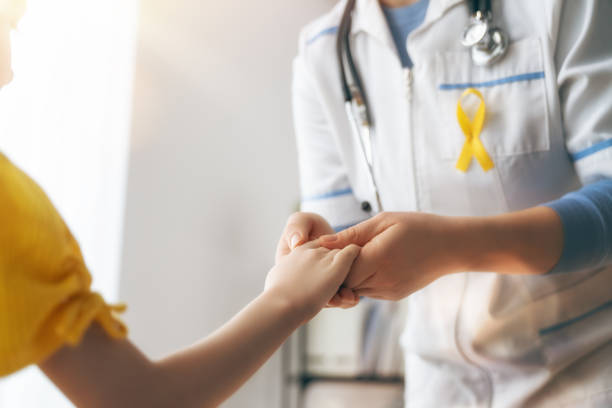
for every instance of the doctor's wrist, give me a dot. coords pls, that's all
(526, 242)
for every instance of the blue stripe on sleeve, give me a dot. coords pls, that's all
(586, 216)
(563, 325)
(591, 150)
(331, 194)
(327, 31)
(338, 228)
(487, 84)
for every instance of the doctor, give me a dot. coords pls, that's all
(510, 276)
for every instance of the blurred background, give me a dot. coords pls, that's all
(162, 131)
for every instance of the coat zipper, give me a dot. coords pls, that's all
(408, 78)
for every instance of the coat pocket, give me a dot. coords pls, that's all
(514, 91)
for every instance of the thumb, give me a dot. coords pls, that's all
(347, 255)
(301, 227)
(359, 234)
(295, 233)
(297, 229)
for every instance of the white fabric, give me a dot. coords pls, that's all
(476, 339)
(346, 394)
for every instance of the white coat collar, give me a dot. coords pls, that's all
(368, 17)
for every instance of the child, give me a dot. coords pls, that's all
(50, 317)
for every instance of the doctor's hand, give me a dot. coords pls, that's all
(309, 276)
(304, 227)
(402, 253)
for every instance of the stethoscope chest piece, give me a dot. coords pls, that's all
(487, 44)
(494, 49)
(475, 32)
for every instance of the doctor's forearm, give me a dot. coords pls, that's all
(523, 242)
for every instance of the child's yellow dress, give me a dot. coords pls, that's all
(45, 296)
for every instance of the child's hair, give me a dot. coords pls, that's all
(12, 10)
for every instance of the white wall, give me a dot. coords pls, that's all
(212, 172)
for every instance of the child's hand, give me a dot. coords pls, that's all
(310, 275)
(303, 227)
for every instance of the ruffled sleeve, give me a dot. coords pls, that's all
(45, 296)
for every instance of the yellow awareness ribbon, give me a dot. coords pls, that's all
(471, 129)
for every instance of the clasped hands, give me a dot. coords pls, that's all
(400, 252)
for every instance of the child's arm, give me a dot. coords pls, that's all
(102, 372)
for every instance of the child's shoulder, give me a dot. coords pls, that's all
(29, 219)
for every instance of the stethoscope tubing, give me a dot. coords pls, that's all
(355, 98)
(483, 6)
(365, 142)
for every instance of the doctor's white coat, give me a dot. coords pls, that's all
(475, 339)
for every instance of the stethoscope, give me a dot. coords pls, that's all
(487, 44)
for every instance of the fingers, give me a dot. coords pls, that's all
(306, 227)
(348, 297)
(348, 304)
(364, 267)
(297, 230)
(315, 245)
(359, 234)
(341, 262)
(347, 255)
(345, 299)
(376, 294)
(295, 233)
(334, 301)
(300, 228)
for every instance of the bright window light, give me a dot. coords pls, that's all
(65, 120)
